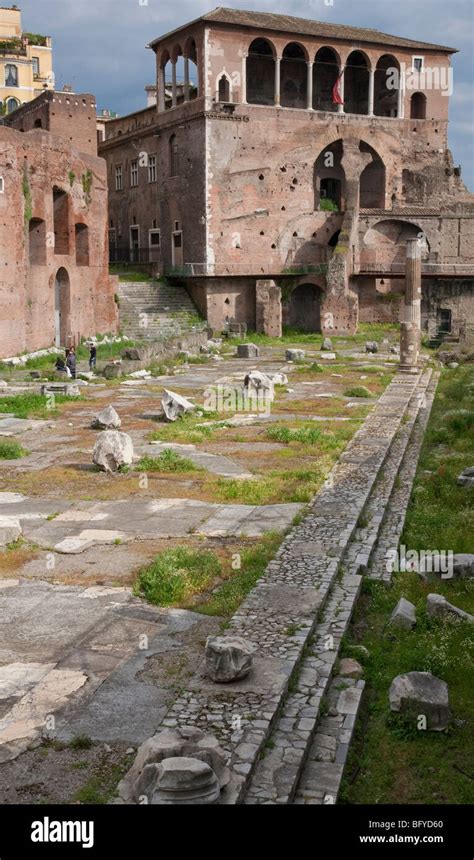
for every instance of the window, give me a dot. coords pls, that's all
(38, 123)
(119, 178)
(134, 173)
(174, 156)
(12, 104)
(36, 65)
(82, 245)
(154, 243)
(224, 89)
(37, 242)
(152, 168)
(2, 186)
(176, 226)
(11, 75)
(418, 64)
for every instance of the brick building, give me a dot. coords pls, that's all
(54, 282)
(282, 179)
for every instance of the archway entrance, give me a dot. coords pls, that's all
(305, 308)
(62, 307)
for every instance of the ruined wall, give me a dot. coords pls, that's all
(32, 165)
(453, 295)
(380, 303)
(72, 116)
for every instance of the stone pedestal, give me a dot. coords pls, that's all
(410, 328)
(268, 308)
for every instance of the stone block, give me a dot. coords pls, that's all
(421, 694)
(247, 350)
(294, 354)
(438, 607)
(112, 450)
(228, 658)
(403, 615)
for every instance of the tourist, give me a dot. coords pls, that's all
(60, 365)
(71, 361)
(92, 356)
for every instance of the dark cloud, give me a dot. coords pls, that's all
(99, 45)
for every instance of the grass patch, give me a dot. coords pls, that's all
(176, 574)
(308, 435)
(81, 742)
(32, 405)
(391, 761)
(440, 514)
(253, 562)
(167, 461)
(10, 449)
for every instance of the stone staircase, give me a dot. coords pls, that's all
(284, 744)
(155, 310)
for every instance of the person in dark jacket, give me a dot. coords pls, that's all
(71, 361)
(92, 356)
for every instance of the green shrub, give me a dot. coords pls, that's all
(358, 391)
(11, 450)
(176, 574)
(167, 461)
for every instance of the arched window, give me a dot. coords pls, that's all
(82, 245)
(329, 179)
(261, 73)
(223, 94)
(356, 84)
(418, 106)
(11, 75)
(12, 104)
(325, 75)
(37, 242)
(386, 86)
(173, 156)
(293, 77)
(190, 51)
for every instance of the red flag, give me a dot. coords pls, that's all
(336, 91)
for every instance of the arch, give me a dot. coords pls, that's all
(176, 52)
(260, 73)
(304, 310)
(37, 241)
(386, 86)
(62, 307)
(329, 178)
(334, 239)
(356, 83)
(12, 104)
(294, 76)
(82, 244)
(391, 234)
(223, 88)
(164, 80)
(11, 75)
(372, 180)
(190, 54)
(418, 106)
(61, 221)
(325, 74)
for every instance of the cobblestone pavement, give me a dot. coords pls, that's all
(297, 615)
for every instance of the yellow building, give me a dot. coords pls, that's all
(26, 62)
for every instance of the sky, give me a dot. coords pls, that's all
(99, 45)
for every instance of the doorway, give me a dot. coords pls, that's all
(305, 308)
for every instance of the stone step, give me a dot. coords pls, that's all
(323, 771)
(301, 710)
(170, 310)
(280, 615)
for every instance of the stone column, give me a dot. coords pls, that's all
(401, 91)
(340, 108)
(173, 78)
(309, 87)
(371, 91)
(161, 90)
(243, 88)
(410, 329)
(277, 81)
(186, 79)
